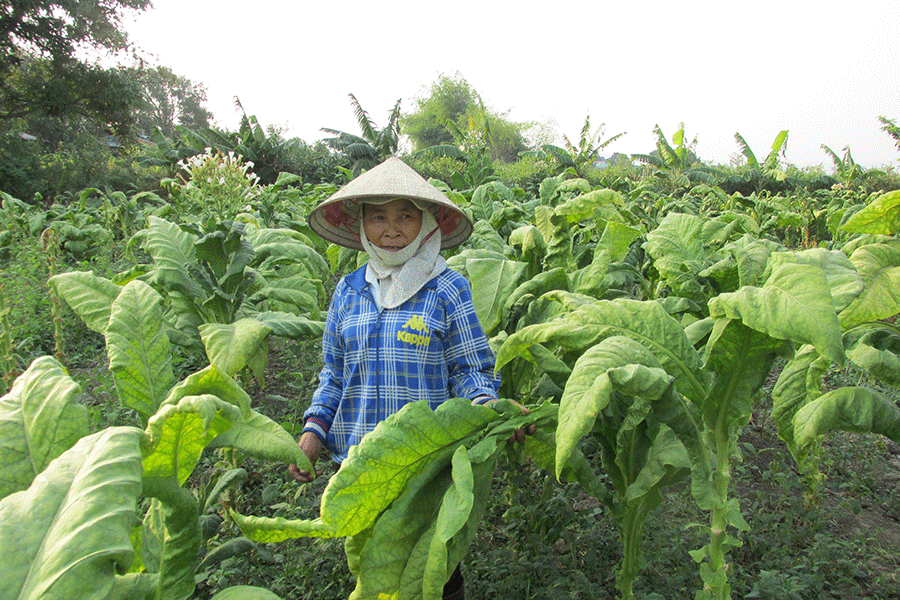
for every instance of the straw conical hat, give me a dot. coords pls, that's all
(337, 218)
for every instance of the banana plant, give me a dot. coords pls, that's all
(70, 500)
(845, 168)
(575, 158)
(373, 146)
(767, 174)
(676, 166)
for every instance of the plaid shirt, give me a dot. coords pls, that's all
(430, 347)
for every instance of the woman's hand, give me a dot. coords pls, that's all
(519, 434)
(312, 448)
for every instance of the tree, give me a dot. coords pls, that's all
(56, 28)
(448, 99)
(453, 100)
(69, 91)
(169, 100)
(375, 145)
(40, 75)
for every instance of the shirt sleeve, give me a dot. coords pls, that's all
(327, 397)
(470, 360)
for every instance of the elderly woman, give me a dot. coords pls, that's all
(400, 329)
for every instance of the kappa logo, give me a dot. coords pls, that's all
(422, 337)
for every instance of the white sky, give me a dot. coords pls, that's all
(823, 70)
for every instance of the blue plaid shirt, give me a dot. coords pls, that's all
(430, 347)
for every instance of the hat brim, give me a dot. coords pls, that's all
(336, 219)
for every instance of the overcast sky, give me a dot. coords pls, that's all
(824, 71)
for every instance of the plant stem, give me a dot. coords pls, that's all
(51, 247)
(718, 525)
(7, 359)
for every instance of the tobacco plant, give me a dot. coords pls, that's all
(70, 500)
(228, 271)
(716, 367)
(804, 409)
(409, 498)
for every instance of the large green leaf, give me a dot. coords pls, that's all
(677, 246)
(617, 238)
(39, 420)
(179, 433)
(172, 251)
(794, 304)
(397, 449)
(882, 216)
(291, 326)
(516, 301)
(233, 346)
(591, 387)
(283, 252)
(445, 544)
(70, 531)
(840, 273)
(170, 538)
(741, 358)
(751, 255)
(531, 245)
(590, 322)
(591, 280)
(138, 349)
(89, 296)
(211, 381)
(379, 555)
(666, 464)
(879, 267)
(259, 436)
(399, 465)
(278, 529)
(877, 350)
(583, 206)
(492, 282)
(800, 382)
(857, 409)
(245, 592)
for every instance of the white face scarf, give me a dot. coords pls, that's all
(399, 275)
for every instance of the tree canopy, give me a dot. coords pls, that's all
(169, 100)
(451, 99)
(40, 74)
(56, 28)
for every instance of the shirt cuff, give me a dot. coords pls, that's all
(317, 427)
(482, 400)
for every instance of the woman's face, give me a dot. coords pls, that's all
(392, 226)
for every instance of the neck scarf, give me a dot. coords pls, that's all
(399, 275)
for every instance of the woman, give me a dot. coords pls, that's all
(403, 327)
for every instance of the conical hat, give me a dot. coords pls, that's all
(337, 218)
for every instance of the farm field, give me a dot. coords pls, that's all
(711, 360)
